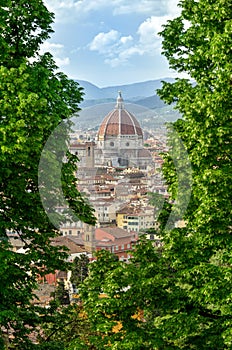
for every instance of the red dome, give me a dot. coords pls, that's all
(119, 122)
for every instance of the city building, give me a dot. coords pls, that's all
(136, 218)
(116, 240)
(120, 140)
(85, 153)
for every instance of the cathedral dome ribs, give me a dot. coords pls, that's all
(119, 122)
(120, 139)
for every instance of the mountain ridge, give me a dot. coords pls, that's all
(132, 91)
(140, 99)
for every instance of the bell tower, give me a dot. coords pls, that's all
(89, 154)
(89, 238)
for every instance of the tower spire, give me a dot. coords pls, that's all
(119, 104)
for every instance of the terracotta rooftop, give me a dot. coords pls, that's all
(114, 231)
(72, 246)
(119, 241)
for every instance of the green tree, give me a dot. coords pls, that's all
(34, 99)
(79, 269)
(71, 329)
(61, 294)
(122, 300)
(183, 288)
(198, 43)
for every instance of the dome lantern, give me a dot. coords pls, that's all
(119, 104)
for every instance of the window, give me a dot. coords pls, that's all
(122, 246)
(127, 144)
(128, 245)
(88, 151)
(87, 238)
(116, 247)
(112, 144)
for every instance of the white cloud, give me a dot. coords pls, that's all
(123, 57)
(61, 62)
(118, 49)
(103, 42)
(51, 47)
(118, 45)
(115, 47)
(126, 39)
(114, 62)
(148, 31)
(69, 10)
(150, 28)
(157, 7)
(57, 51)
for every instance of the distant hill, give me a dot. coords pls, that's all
(133, 91)
(140, 99)
(151, 102)
(91, 91)
(136, 90)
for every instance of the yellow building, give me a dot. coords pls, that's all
(136, 218)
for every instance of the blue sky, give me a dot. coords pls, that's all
(110, 42)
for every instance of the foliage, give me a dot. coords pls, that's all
(181, 291)
(163, 208)
(79, 269)
(61, 295)
(123, 299)
(199, 43)
(146, 144)
(34, 99)
(71, 329)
